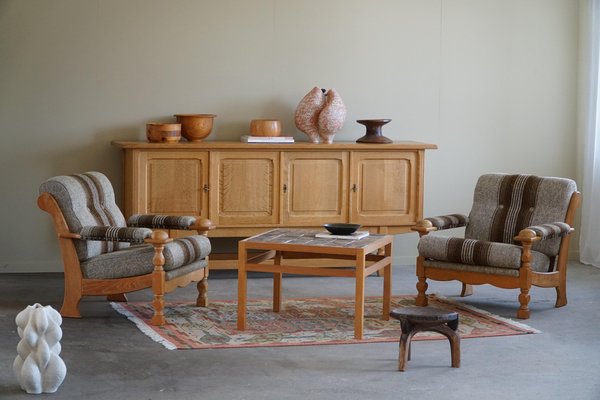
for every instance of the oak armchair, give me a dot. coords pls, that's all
(516, 235)
(103, 255)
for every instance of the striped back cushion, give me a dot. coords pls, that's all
(505, 204)
(87, 200)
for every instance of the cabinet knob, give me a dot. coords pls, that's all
(354, 188)
(284, 188)
(205, 188)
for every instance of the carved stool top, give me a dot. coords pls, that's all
(420, 315)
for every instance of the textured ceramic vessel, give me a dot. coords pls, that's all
(38, 367)
(195, 127)
(307, 113)
(265, 127)
(332, 116)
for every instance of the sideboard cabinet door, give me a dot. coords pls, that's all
(314, 187)
(386, 188)
(170, 182)
(245, 188)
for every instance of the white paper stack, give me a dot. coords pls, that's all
(354, 236)
(267, 139)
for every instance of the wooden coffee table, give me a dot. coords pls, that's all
(279, 244)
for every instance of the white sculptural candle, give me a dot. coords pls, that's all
(38, 367)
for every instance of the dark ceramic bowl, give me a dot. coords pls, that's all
(342, 229)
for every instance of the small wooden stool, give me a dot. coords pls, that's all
(419, 319)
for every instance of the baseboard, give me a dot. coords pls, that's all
(30, 267)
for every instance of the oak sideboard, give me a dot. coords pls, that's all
(245, 189)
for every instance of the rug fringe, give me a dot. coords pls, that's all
(487, 313)
(142, 326)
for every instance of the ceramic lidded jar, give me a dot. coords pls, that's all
(195, 127)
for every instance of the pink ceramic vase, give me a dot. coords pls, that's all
(307, 113)
(332, 117)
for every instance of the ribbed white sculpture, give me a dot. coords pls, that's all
(38, 367)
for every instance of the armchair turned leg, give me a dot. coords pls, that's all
(524, 298)
(158, 319)
(421, 289)
(202, 300)
(158, 240)
(422, 283)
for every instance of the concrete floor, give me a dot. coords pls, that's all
(109, 358)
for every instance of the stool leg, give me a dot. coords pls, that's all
(454, 342)
(404, 351)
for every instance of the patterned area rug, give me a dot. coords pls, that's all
(311, 321)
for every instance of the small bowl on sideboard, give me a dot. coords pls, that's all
(195, 127)
(265, 127)
(157, 131)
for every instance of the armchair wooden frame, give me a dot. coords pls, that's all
(523, 281)
(76, 286)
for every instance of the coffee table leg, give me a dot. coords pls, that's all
(387, 284)
(277, 284)
(359, 301)
(242, 285)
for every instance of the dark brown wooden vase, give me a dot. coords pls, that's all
(373, 134)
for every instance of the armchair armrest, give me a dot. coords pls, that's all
(114, 234)
(203, 226)
(440, 223)
(161, 221)
(544, 231)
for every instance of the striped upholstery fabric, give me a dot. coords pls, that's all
(503, 205)
(550, 231)
(161, 221)
(112, 234)
(87, 200)
(448, 221)
(181, 256)
(478, 252)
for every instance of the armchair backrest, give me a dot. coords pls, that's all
(86, 200)
(504, 204)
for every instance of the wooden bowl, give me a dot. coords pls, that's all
(265, 127)
(156, 131)
(195, 127)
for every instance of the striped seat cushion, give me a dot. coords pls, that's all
(181, 256)
(478, 253)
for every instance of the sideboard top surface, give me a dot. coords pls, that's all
(213, 145)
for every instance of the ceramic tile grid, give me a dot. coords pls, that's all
(307, 237)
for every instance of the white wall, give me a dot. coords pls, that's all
(492, 82)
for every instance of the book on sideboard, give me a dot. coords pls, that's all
(267, 139)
